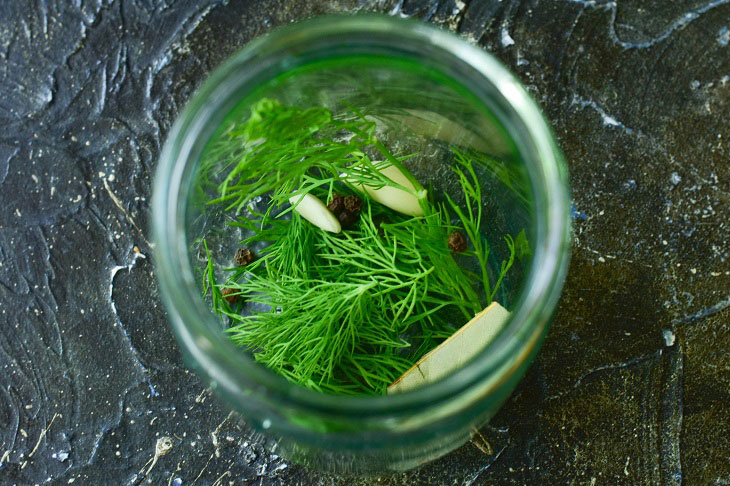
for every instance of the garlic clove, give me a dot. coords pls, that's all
(314, 210)
(393, 197)
(428, 124)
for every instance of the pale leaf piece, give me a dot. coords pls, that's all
(456, 351)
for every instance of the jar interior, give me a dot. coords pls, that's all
(418, 110)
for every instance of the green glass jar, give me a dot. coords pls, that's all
(429, 89)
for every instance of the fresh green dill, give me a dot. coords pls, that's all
(343, 313)
(472, 221)
(287, 151)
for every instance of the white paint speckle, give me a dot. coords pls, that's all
(608, 120)
(60, 456)
(669, 337)
(675, 178)
(723, 37)
(458, 7)
(506, 39)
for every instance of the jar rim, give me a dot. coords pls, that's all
(187, 312)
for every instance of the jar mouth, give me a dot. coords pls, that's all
(212, 353)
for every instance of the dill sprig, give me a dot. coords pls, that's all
(358, 292)
(472, 221)
(346, 313)
(287, 151)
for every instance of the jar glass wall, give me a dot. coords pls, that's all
(426, 90)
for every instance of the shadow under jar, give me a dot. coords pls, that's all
(426, 92)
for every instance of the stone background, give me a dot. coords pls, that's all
(633, 383)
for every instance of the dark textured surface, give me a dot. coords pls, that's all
(633, 383)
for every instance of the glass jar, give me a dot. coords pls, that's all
(412, 76)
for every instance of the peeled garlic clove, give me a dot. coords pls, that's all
(396, 199)
(428, 124)
(313, 210)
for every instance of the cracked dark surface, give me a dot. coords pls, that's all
(633, 383)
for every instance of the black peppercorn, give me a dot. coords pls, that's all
(457, 242)
(243, 257)
(345, 208)
(353, 204)
(230, 295)
(347, 219)
(336, 204)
